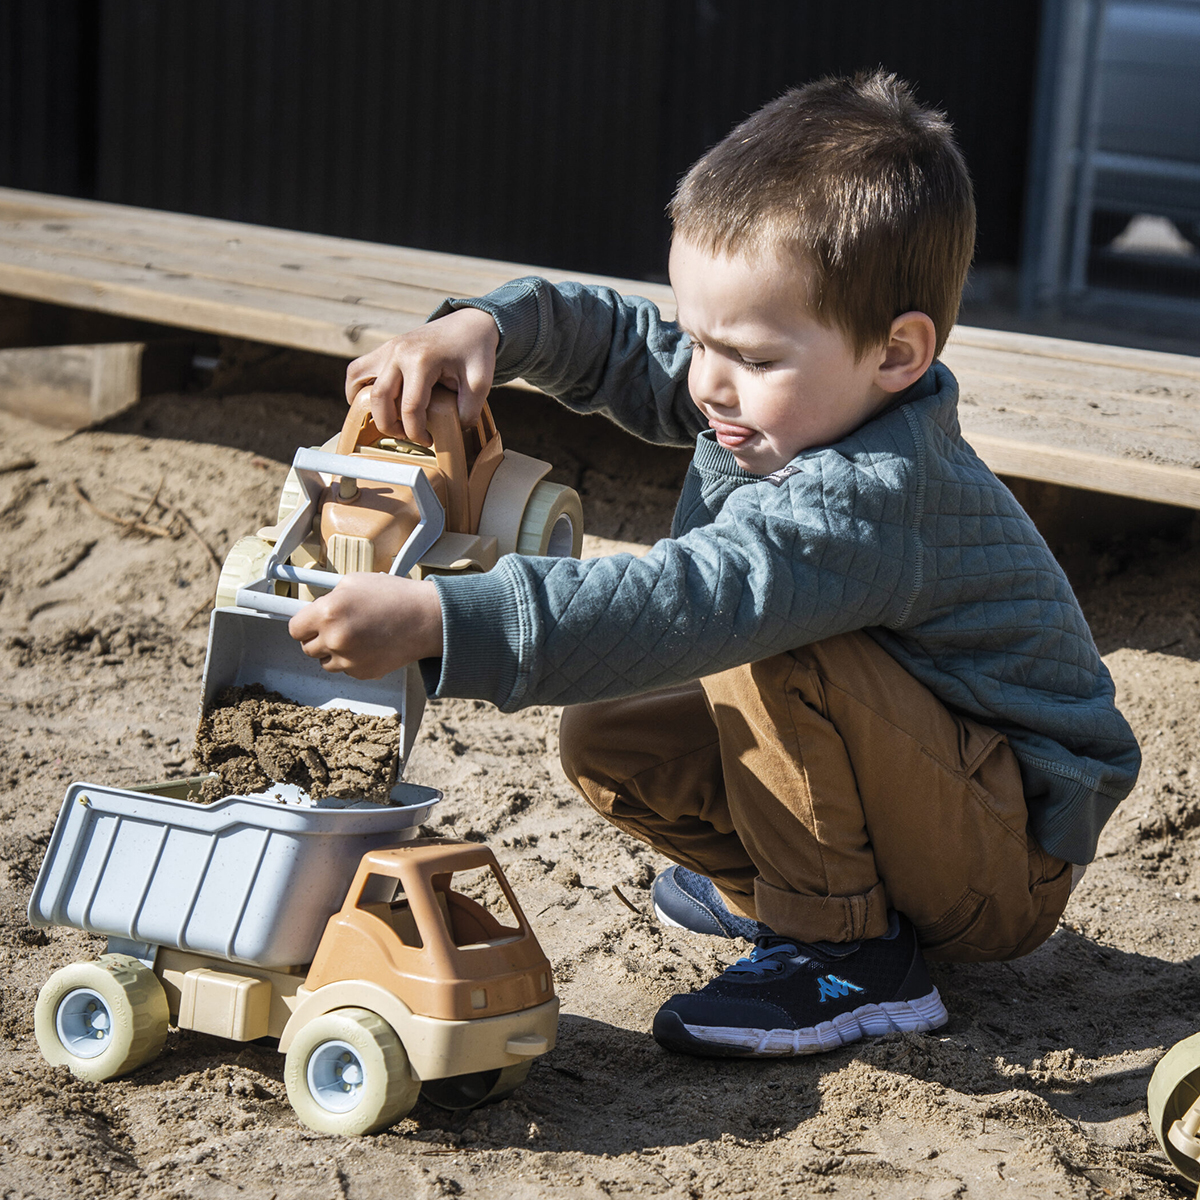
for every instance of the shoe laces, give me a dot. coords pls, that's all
(768, 956)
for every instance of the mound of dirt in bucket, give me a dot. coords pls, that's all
(254, 738)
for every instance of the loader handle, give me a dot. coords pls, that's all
(359, 427)
(441, 419)
(268, 602)
(310, 465)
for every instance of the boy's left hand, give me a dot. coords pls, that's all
(371, 624)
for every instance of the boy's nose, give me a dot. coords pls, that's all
(709, 383)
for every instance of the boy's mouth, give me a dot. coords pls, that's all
(732, 437)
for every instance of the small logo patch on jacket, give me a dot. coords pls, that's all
(831, 987)
(780, 477)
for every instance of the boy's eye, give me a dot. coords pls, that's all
(694, 345)
(753, 365)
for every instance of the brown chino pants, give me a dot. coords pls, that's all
(820, 787)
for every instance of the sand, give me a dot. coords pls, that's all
(252, 738)
(1035, 1088)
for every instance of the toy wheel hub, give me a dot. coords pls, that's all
(336, 1076)
(84, 1023)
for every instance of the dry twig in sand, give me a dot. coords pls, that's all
(139, 524)
(127, 522)
(151, 504)
(188, 526)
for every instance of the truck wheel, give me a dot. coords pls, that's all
(243, 564)
(552, 523)
(101, 1019)
(478, 1087)
(289, 497)
(347, 1073)
(292, 493)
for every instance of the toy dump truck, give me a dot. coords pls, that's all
(384, 965)
(335, 931)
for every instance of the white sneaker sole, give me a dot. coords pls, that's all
(872, 1020)
(663, 919)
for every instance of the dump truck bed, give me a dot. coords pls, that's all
(247, 879)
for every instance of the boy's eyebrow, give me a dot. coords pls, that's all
(719, 343)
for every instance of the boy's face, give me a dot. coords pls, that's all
(769, 377)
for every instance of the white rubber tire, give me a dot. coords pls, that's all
(381, 1089)
(101, 1019)
(552, 523)
(243, 564)
(289, 497)
(292, 493)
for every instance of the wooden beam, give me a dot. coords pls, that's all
(1104, 418)
(71, 387)
(1093, 472)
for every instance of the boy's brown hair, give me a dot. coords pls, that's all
(859, 180)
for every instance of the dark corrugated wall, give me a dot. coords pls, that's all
(544, 131)
(48, 66)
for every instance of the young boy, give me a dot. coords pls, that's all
(852, 695)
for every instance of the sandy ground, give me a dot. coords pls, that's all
(1035, 1089)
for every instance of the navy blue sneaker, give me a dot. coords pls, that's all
(686, 900)
(789, 997)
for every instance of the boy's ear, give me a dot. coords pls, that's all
(908, 353)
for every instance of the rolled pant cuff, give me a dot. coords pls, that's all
(822, 918)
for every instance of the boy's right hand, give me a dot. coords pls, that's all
(457, 351)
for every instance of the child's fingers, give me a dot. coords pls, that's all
(414, 401)
(305, 626)
(366, 369)
(473, 389)
(316, 647)
(385, 397)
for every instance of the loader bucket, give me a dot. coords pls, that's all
(246, 647)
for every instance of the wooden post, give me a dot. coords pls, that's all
(71, 387)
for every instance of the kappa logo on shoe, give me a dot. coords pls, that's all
(831, 987)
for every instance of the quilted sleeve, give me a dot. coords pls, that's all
(781, 566)
(597, 351)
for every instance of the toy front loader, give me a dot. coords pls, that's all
(494, 501)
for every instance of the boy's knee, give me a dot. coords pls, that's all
(576, 746)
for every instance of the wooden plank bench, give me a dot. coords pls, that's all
(1103, 418)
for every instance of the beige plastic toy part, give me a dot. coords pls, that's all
(243, 564)
(347, 1074)
(444, 954)
(367, 523)
(1173, 1102)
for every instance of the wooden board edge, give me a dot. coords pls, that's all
(1063, 350)
(343, 339)
(71, 387)
(1091, 472)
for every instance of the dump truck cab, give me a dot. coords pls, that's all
(436, 923)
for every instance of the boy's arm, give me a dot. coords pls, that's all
(776, 570)
(590, 347)
(597, 351)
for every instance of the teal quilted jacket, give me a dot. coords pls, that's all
(898, 530)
